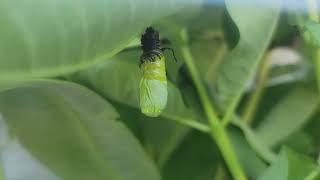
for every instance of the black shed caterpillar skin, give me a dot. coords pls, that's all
(151, 46)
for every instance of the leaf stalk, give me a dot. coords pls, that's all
(218, 131)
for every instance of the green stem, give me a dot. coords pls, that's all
(193, 123)
(218, 131)
(317, 66)
(251, 108)
(313, 15)
(220, 136)
(204, 97)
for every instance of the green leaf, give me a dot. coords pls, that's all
(256, 25)
(49, 38)
(197, 158)
(289, 166)
(160, 136)
(208, 55)
(312, 129)
(301, 142)
(255, 142)
(74, 132)
(208, 44)
(288, 116)
(312, 32)
(252, 164)
(272, 95)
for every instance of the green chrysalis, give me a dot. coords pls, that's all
(153, 84)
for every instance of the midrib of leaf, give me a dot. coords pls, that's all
(87, 137)
(66, 69)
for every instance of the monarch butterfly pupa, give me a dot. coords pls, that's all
(153, 84)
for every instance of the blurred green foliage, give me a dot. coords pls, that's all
(69, 90)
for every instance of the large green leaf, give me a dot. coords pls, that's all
(290, 114)
(47, 38)
(74, 132)
(256, 25)
(290, 166)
